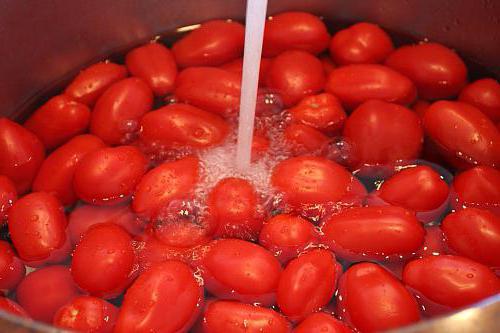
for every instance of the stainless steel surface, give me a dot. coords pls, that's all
(44, 41)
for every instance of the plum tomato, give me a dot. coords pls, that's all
(420, 107)
(8, 305)
(304, 139)
(236, 66)
(321, 322)
(12, 270)
(260, 146)
(477, 187)
(8, 195)
(484, 94)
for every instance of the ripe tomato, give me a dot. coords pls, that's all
(12, 270)
(304, 139)
(260, 146)
(420, 107)
(484, 94)
(321, 323)
(8, 195)
(91, 82)
(294, 75)
(355, 84)
(22, 154)
(166, 298)
(434, 243)
(371, 299)
(101, 178)
(240, 270)
(45, 290)
(56, 172)
(87, 314)
(117, 112)
(328, 65)
(9, 306)
(477, 187)
(236, 66)
(361, 43)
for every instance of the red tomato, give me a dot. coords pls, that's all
(212, 89)
(22, 154)
(477, 187)
(437, 71)
(44, 291)
(294, 31)
(56, 172)
(166, 298)
(294, 75)
(236, 66)
(463, 133)
(12, 270)
(304, 138)
(117, 112)
(91, 82)
(434, 243)
(87, 314)
(420, 107)
(12, 307)
(307, 283)
(167, 182)
(235, 317)
(328, 65)
(383, 133)
(58, 120)
(355, 84)
(474, 233)
(362, 233)
(321, 323)
(260, 146)
(484, 94)
(371, 299)
(240, 270)
(361, 43)
(8, 195)
(105, 247)
(155, 64)
(109, 175)
(451, 281)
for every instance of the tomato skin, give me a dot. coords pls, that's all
(373, 232)
(321, 323)
(484, 94)
(304, 138)
(91, 82)
(294, 31)
(118, 110)
(328, 64)
(260, 146)
(294, 75)
(437, 71)
(87, 314)
(12, 307)
(449, 280)
(12, 270)
(148, 305)
(57, 170)
(22, 154)
(420, 107)
(8, 195)
(361, 43)
(477, 187)
(393, 133)
(236, 66)
(44, 291)
(235, 317)
(100, 177)
(463, 133)
(372, 299)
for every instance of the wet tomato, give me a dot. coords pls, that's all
(8, 195)
(236, 66)
(12, 270)
(477, 187)
(321, 323)
(420, 107)
(484, 94)
(8, 305)
(305, 139)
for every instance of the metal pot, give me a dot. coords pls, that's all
(43, 43)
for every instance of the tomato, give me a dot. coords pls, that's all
(87, 314)
(101, 178)
(328, 65)
(420, 107)
(294, 75)
(463, 133)
(260, 146)
(22, 154)
(321, 323)
(117, 112)
(474, 233)
(371, 299)
(236, 66)
(240, 270)
(105, 247)
(392, 133)
(9, 306)
(355, 84)
(182, 125)
(361, 43)
(91, 82)
(437, 71)
(434, 243)
(44, 291)
(484, 94)
(235, 317)
(8, 195)
(294, 31)
(57, 170)
(212, 44)
(167, 182)
(310, 180)
(307, 283)
(304, 138)
(166, 298)
(451, 281)
(12, 270)
(362, 233)
(477, 187)
(212, 89)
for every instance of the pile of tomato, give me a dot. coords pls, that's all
(363, 228)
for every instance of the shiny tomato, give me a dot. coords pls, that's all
(236, 66)
(484, 94)
(117, 112)
(477, 187)
(9, 306)
(371, 299)
(56, 172)
(8, 195)
(434, 242)
(437, 71)
(321, 323)
(361, 43)
(304, 139)
(260, 145)
(22, 154)
(166, 298)
(355, 84)
(420, 107)
(91, 82)
(12, 270)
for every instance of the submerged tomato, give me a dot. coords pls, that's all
(8, 195)
(236, 66)
(321, 323)
(477, 187)
(484, 94)
(8, 305)
(12, 270)
(304, 138)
